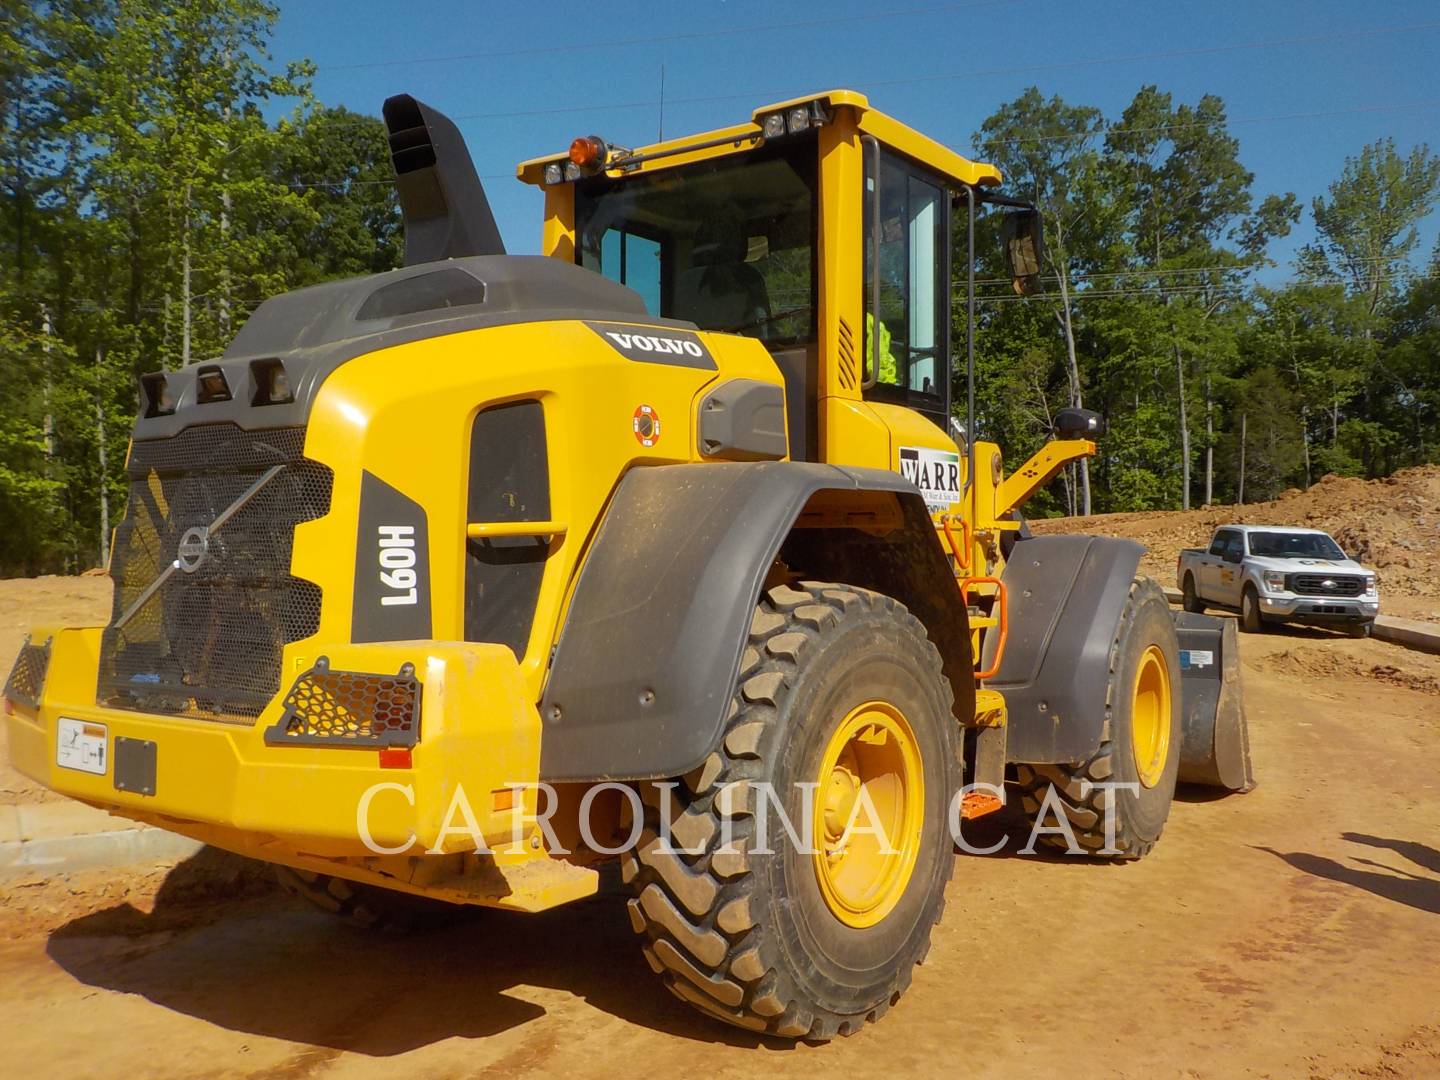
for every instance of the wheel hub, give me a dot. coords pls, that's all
(869, 814)
(1150, 717)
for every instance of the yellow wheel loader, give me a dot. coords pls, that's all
(463, 580)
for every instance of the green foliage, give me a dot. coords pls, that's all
(147, 208)
(1155, 236)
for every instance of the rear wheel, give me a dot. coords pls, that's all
(840, 711)
(1139, 743)
(1250, 620)
(1191, 601)
(369, 907)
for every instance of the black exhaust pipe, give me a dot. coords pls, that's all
(443, 202)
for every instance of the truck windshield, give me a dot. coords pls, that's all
(1283, 545)
(727, 244)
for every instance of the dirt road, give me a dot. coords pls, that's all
(1293, 931)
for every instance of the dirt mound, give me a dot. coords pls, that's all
(1319, 662)
(1391, 525)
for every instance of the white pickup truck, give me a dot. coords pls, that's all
(1274, 573)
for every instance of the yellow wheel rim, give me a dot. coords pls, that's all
(871, 782)
(1150, 717)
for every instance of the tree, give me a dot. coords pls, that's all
(1367, 224)
(1043, 148)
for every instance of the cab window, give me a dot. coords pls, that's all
(907, 346)
(726, 244)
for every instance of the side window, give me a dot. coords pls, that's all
(630, 259)
(905, 345)
(1217, 545)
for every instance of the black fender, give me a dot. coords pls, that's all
(645, 667)
(1065, 596)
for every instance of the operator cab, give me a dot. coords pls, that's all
(822, 229)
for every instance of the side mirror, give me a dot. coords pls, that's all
(1233, 556)
(1022, 234)
(1078, 424)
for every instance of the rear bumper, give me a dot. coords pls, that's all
(1318, 609)
(222, 783)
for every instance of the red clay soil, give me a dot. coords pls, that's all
(1391, 525)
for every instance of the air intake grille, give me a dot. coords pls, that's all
(27, 677)
(211, 516)
(1320, 585)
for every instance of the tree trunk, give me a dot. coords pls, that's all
(47, 388)
(224, 263)
(1067, 324)
(1209, 442)
(137, 269)
(185, 281)
(1305, 440)
(103, 462)
(1240, 495)
(1184, 431)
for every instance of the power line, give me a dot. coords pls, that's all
(1274, 118)
(662, 39)
(1169, 54)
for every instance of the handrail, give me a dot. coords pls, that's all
(966, 584)
(961, 560)
(488, 530)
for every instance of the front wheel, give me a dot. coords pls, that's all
(1358, 630)
(1250, 620)
(841, 718)
(1138, 760)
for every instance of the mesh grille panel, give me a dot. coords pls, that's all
(27, 677)
(350, 708)
(207, 641)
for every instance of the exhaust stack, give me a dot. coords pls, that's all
(441, 198)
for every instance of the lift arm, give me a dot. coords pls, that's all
(1039, 471)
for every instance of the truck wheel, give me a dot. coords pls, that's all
(840, 702)
(369, 907)
(1139, 744)
(1191, 601)
(1250, 620)
(1358, 630)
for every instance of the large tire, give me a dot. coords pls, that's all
(1358, 630)
(369, 907)
(1190, 599)
(1250, 619)
(1145, 650)
(749, 937)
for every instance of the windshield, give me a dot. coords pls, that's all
(1283, 545)
(728, 244)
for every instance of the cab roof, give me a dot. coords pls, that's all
(747, 136)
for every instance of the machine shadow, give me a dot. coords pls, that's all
(1391, 883)
(268, 965)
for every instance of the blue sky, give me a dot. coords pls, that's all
(558, 69)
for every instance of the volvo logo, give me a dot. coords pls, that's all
(194, 546)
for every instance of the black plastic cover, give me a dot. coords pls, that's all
(1065, 595)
